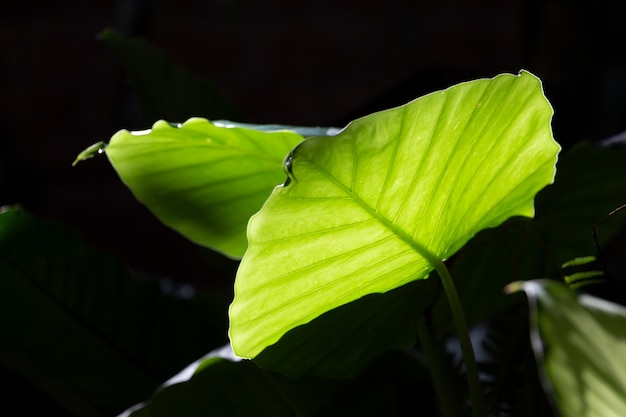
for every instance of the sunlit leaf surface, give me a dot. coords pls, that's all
(580, 344)
(368, 210)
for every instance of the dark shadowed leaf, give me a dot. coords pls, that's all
(78, 327)
(217, 385)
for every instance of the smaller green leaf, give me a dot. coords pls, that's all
(578, 341)
(203, 180)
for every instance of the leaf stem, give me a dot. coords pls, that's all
(469, 359)
(443, 387)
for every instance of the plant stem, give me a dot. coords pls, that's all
(443, 387)
(469, 359)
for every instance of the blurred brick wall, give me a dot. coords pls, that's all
(309, 63)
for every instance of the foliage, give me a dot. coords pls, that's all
(369, 209)
(357, 243)
(76, 323)
(578, 341)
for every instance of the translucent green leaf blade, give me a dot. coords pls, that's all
(368, 210)
(202, 180)
(579, 342)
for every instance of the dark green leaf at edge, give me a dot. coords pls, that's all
(81, 330)
(219, 386)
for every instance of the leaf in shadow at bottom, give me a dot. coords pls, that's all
(217, 385)
(212, 391)
(343, 341)
(223, 387)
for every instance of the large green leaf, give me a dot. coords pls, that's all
(203, 180)
(80, 329)
(580, 345)
(372, 208)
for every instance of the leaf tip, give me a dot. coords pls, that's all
(90, 152)
(514, 287)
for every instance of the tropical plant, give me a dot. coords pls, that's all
(374, 263)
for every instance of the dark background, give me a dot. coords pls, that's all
(307, 63)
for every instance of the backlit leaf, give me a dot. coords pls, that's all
(370, 209)
(203, 180)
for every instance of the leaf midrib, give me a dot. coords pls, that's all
(388, 224)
